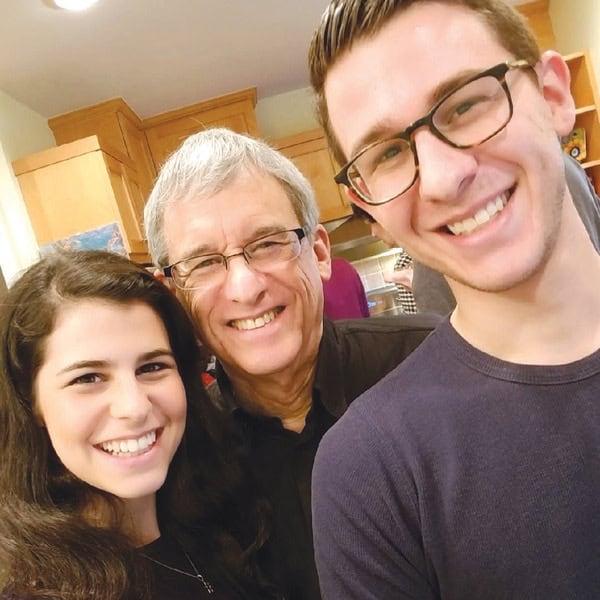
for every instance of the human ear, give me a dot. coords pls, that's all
(322, 251)
(555, 82)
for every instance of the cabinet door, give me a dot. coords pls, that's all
(128, 198)
(166, 133)
(310, 153)
(139, 152)
(68, 197)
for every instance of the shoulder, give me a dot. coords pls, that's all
(382, 327)
(362, 351)
(377, 339)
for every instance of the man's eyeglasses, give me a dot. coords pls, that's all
(262, 254)
(465, 117)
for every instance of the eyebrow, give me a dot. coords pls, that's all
(382, 129)
(98, 364)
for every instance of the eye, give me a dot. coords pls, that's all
(86, 379)
(464, 107)
(207, 262)
(265, 244)
(155, 368)
(387, 154)
(269, 245)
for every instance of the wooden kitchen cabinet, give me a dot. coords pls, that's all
(148, 142)
(310, 153)
(78, 187)
(119, 131)
(165, 132)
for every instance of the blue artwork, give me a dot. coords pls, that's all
(108, 237)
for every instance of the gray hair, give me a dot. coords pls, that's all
(205, 164)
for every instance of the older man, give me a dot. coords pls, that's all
(234, 225)
(473, 469)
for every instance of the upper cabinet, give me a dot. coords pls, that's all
(148, 142)
(80, 187)
(106, 162)
(310, 153)
(119, 131)
(165, 132)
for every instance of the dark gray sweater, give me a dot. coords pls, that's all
(460, 476)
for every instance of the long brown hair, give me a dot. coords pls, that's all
(47, 548)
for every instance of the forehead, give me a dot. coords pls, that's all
(389, 79)
(251, 204)
(85, 326)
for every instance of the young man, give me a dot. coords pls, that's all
(234, 225)
(472, 470)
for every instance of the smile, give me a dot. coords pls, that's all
(257, 323)
(481, 217)
(130, 447)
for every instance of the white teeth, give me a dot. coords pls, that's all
(481, 217)
(131, 446)
(469, 225)
(248, 324)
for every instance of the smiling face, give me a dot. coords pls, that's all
(256, 323)
(111, 398)
(487, 216)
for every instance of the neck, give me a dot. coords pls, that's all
(141, 523)
(551, 318)
(285, 395)
(138, 520)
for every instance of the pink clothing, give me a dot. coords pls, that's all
(344, 293)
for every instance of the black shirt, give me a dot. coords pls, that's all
(174, 574)
(353, 355)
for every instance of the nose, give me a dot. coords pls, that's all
(242, 283)
(130, 400)
(444, 171)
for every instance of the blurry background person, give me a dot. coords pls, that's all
(402, 275)
(344, 294)
(99, 495)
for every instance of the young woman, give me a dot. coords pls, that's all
(116, 478)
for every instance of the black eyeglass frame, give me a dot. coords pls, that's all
(498, 71)
(168, 270)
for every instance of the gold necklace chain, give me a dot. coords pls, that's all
(195, 575)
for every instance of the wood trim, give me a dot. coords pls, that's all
(248, 94)
(89, 112)
(55, 155)
(65, 152)
(298, 138)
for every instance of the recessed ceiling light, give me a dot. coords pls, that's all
(74, 4)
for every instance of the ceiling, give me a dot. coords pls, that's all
(156, 54)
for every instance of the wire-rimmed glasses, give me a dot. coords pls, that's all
(262, 254)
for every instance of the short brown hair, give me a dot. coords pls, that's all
(347, 21)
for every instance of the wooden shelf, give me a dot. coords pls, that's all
(587, 110)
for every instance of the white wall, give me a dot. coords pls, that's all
(576, 25)
(22, 132)
(286, 114)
